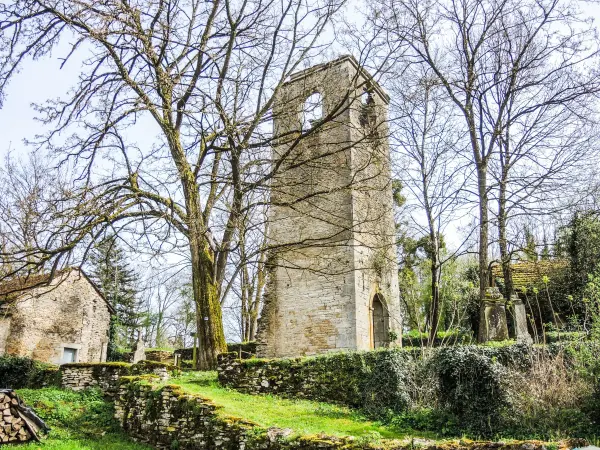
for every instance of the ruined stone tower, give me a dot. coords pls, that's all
(333, 282)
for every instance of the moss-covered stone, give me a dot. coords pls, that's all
(168, 417)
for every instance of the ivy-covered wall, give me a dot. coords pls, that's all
(373, 381)
(17, 372)
(168, 418)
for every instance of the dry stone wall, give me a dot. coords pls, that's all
(106, 376)
(160, 356)
(366, 380)
(168, 418)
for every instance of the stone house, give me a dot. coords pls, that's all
(60, 320)
(333, 280)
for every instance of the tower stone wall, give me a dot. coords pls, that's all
(333, 264)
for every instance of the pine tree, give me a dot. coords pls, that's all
(530, 249)
(117, 281)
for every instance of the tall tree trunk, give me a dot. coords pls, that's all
(209, 319)
(483, 243)
(503, 241)
(435, 297)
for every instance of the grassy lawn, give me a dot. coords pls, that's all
(78, 421)
(303, 416)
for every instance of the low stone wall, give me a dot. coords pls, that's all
(166, 418)
(80, 376)
(356, 379)
(244, 350)
(162, 356)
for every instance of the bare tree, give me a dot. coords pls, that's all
(458, 39)
(425, 135)
(27, 188)
(548, 132)
(199, 75)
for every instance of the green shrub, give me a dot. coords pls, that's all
(373, 381)
(383, 384)
(472, 387)
(18, 372)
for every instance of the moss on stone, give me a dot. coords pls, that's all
(104, 364)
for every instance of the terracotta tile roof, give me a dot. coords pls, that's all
(12, 289)
(531, 273)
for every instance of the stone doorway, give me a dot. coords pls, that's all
(379, 323)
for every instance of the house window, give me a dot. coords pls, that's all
(69, 355)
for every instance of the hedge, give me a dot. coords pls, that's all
(373, 381)
(17, 372)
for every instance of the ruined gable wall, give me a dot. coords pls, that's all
(308, 305)
(67, 312)
(374, 237)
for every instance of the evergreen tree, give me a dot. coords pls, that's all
(117, 281)
(530, 249)
(546, 254)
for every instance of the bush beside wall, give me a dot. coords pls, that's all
(18, 372)
(477, 390)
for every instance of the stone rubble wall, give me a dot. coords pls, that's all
(106, 376)
(103, 376)
(162, 356)
(166, 418)
(69, 313)
(350, 378)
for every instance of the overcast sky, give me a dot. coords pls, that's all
(44, 79)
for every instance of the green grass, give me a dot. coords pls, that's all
(77, 421)
(303, 416)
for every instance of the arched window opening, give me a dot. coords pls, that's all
(313, 111)
(367, 107)
(366, 98)
(380, 323)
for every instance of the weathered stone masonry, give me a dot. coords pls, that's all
(41, 322)
(167, 418)
(106, 376)
(332, 284)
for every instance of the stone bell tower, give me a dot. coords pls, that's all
(333, 276)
